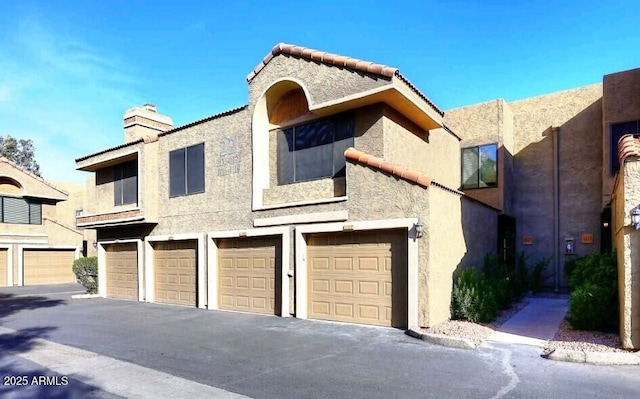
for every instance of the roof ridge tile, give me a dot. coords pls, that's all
(388, 167)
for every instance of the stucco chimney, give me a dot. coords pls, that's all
(145, 122)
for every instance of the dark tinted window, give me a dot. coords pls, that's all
(126, 183)
(186, 170)
(195, 169)
(480, 166)
(314, 150)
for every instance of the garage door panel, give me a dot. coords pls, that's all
(3, 267)
(320, 264)
(352, 279)
(176, 272)
(343, 264)
(48, 266)
(368, 288)
(251, 265)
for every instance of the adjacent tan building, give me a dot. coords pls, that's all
(561, 178)
(38, 236)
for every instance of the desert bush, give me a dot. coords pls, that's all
(86, 271)
(596, 269)
(500, 280)
(593, 307)
(594, 297)
(474, 297)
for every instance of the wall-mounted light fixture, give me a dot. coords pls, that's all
(419, 229)
(95, 244)
(635, 217)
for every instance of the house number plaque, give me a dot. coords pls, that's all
(229, 158)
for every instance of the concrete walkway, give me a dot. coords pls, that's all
(99, 376)
(535, 324)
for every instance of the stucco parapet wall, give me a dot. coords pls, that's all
(394, 169)
(111, 218)
(107, 153)
(207, 119)
(45, 189)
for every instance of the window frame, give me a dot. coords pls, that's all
(341, 119)
(119, 180)
(463, 185)
(30, 215)
(187, 178)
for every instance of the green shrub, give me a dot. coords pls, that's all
(473, 297)
(536, 274)
(595, 269)
(464, 293)
(594, 298)
(593, 307)
(521, 276)
(86, 271)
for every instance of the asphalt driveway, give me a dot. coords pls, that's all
(272, 357)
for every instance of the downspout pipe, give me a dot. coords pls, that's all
(556, 208)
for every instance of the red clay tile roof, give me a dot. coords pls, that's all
(388, 167)
(339, 61)
(628, 146)
(325, 58)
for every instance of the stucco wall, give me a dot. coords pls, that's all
(576, 113)
(621, 103)
(374, 195)
(226, 202)
(435, 153)
(488, 123)
(100, 190)
(627, 242)
(66, 212)
(324, 83)
(461, 233)
(31, 185)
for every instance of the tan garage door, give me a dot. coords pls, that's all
(358, 277)
(48, 266)
(175, 272)
(3, 267)
(247, 270)
(122, 270)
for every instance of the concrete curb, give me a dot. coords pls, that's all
(84, 296)
(598, 358)
(444, 340)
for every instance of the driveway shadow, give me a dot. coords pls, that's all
(22, 378)
(10, 304)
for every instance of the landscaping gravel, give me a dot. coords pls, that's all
(566, 338)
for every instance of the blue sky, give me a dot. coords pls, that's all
(69, 69)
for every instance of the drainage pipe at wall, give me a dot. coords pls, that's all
(556, 209)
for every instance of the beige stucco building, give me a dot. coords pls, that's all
(38, 236)
(341, 192)
(333, 194)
